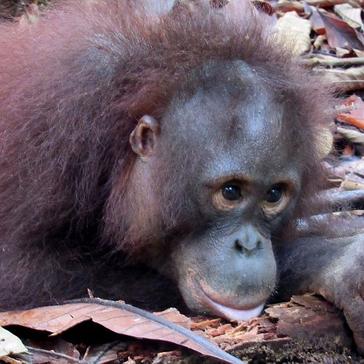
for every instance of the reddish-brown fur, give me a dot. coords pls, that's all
(72, 88)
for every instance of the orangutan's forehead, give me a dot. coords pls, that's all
(234, 106)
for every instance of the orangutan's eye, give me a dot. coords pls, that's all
(228, 196)
(274, 194)
(276, 199)
(231, 192)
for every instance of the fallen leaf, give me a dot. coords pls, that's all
(339, 33)
(355, 115)
(285, 6)
(118, 317)
(317, 22)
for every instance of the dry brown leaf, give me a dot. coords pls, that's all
(355, 115)
(316, 21)
(118, 317)
(339, 33)
(288, 5)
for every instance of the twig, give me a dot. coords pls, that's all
(334, 62)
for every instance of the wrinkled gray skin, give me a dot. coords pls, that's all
(230, 259)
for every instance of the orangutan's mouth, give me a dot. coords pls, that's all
(231, 313)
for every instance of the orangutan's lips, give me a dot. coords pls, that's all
(230, 313)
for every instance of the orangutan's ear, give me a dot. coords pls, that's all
(144, 137)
